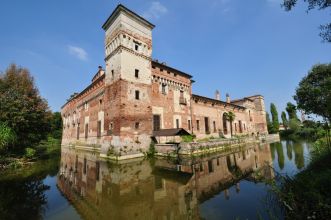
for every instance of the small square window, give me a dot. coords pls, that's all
(161, 70)
(137, 94)
(136, 73)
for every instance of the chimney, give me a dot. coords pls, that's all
(217, 95)
(101, 71)
(228, 98)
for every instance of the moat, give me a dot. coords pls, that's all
(225, 185)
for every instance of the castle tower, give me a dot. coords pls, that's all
(128, 50)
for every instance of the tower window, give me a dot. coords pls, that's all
(198, 125)
(136, 73)
(189, 124)
(177, 123)
(136, 125)
(112, 74)
(164, 89)
(136, 47)
(137, 94)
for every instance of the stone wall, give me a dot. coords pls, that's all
(213, 145)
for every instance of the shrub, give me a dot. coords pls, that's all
(187, 138)
(30, 152)
(151, 151)
(7, 136)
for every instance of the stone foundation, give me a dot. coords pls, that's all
(197, 148)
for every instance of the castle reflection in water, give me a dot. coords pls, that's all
(160, 189)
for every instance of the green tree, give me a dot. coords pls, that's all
(56, 125)
(22, 108)
(274, 116)
(291, 111)
(312, 4)
(284, 120)
(269, 124)
(313, 94)
(294, 124)
(230, 116)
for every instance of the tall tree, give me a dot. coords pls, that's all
(313, 4)
(269, 124)
(56, 125)
(291, 111)
(284, 120)
(22, 108)
(274, 116)
(313, 94)
(230, 116)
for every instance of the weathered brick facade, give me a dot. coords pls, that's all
(135, 95)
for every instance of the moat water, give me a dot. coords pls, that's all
(226, 185)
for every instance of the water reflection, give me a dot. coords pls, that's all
(218, 186)
(296, 149)
(289, 148)
(163, 189)
(23, 192)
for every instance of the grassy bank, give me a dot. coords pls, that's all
(307, 195)
(48, 149)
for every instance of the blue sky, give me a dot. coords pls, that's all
(238, 47)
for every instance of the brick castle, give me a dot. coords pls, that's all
(136, 99)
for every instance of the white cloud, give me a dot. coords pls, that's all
(155, 11)
(78, 52)
(221, 5)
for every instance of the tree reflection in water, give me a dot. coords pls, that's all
(299, 155)
(22, 199)
(280, 154)
(289, 146)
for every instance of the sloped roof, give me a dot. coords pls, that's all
(197, 97)
(122, 8)
(162, 65)
(170, 132)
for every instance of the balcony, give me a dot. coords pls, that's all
(182, 101)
